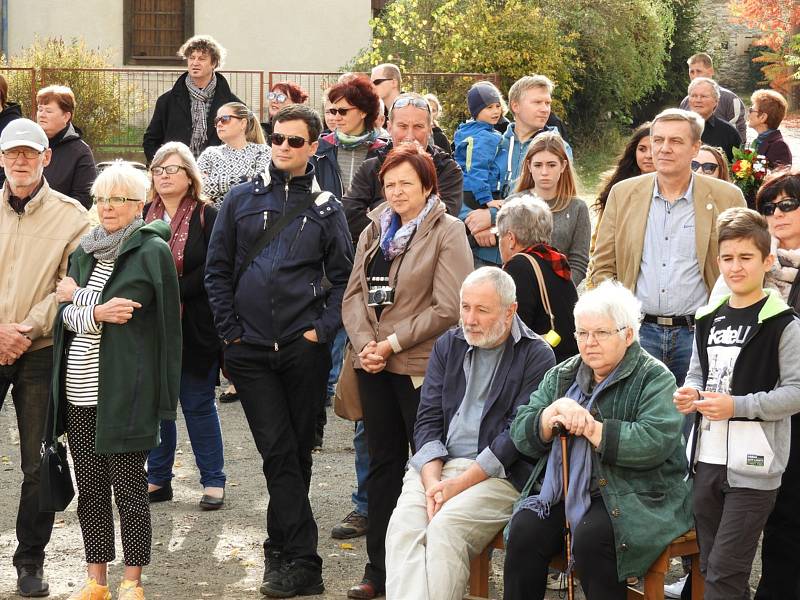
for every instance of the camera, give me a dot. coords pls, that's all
(380, 296)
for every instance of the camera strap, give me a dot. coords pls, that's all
(271, 232)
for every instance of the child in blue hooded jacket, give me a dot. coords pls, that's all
(480, 150)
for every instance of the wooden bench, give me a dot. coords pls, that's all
(685, 545)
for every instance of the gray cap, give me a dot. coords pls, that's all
(23, 132)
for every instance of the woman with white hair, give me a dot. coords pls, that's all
(627, 498)
(117, 356)
(524, 229)
(176, 198)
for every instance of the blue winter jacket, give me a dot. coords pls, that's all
(326, 164)
(482, 154)
(515, 156)
(280, 294)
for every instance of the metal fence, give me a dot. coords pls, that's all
(22, 87)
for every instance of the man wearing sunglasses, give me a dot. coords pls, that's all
(39, 228)
(186, 112)
(388, 83)
(410, 122)
(704, 95)
(271, 246)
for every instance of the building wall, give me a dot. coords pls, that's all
(265, 35)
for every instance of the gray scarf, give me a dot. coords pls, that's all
(106, 246)
(201, 101)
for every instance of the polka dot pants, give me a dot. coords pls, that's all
(96, 475)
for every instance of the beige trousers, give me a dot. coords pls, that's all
(430, 560)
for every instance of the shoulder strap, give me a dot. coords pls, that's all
(542, 289)
(271, 232)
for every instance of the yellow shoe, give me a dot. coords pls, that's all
(130, 590)
(92, 591)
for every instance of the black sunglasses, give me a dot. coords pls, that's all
(708, 168)
(295, 141)
(786, 205)
(225, 119)
(341, 111)
(380, 81)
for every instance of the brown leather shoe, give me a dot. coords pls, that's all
(366, 590)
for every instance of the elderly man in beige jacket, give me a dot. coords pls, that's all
(658, 237)
(39, 228)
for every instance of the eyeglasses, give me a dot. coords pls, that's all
(169, 169)
(409, 100)
(277, 97)
(340, 111)
(708, 168)
(114, 200)
(752, 110)
(225, 119)
(786, 205)
(295, 141)
(600, 336)
(28, 153)
(380, 80)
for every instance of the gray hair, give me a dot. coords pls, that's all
(121, 178)
(613, 300)
(189, 163)
(503, 284)
(695, 121)
(415, 96)
(523, 84)
(705, 81)
(528, 217)
(390, 71)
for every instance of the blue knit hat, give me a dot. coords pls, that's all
(481, 95)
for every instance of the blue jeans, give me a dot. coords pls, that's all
(337, 356)
(359, 497)
(202, 423)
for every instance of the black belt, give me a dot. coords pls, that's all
(682, 321)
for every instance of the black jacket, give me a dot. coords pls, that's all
(440, 140)
(280, 294)
(10, 112)
(71, 170)
(365, 191)
(721, 134)
(201, 345)
(326, 164)
(172, 117)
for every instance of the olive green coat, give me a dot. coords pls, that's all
(642, 461)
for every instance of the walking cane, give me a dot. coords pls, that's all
(563, 434)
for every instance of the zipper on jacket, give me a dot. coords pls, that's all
(313, 289)
(265, 221)
(297, 235)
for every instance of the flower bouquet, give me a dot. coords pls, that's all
(747, 172)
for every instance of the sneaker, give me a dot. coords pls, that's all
(557, 581)
(31, 582)
(92, 591)
(273, 563)
(294, 580)
(674, 590)
(352, 526)
(130, 590)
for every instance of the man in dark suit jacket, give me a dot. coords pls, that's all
(704, 95)
(186, 112)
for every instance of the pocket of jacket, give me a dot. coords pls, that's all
(749, 451)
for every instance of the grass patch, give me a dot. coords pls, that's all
(595, 154)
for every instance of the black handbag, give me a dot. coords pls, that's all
(56, 490)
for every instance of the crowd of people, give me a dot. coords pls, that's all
(461, 288)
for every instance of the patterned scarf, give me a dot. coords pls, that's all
(348, 142)
(784, 271)
(556, 260)
(201, 101)
(394, 235)
(179, 226)
(106, 246)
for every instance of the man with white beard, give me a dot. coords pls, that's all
(466, 474)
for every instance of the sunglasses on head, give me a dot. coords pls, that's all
(340, 111)
(708, 167)
(277, 97)
(295, 141)
(380, 80)
(225, 119)
(786, 205)
(410, 101)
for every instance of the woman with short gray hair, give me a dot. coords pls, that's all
(524, 227)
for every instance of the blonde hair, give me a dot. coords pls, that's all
(188, 162)
(566, 189)
(253, 133)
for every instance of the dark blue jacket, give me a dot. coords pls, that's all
(327, 166)
(280, 294)
(526, 359)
